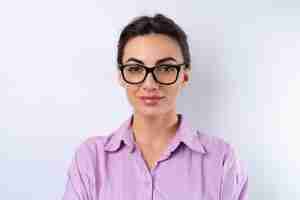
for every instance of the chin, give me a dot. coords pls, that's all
(151, 112)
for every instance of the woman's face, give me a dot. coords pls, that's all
(149, 49)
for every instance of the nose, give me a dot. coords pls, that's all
(150, 83)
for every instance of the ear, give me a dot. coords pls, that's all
(186, 77)
(120, 79)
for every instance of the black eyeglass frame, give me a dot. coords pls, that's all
(150, 70)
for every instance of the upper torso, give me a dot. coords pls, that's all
(194, 166)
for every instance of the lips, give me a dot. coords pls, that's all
(151, 100)
(151, 97)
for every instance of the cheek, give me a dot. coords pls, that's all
(131, 92)
(174, 90)
(171, 93)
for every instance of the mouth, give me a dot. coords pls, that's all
(151, 100)
(151, 97)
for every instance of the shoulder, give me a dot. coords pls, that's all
(93, 144)
(225, 153)
(88, 154)
(89, 149)
(214, 144)
(220, 149)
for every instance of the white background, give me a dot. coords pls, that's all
(58, 86)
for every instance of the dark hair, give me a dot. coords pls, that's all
(144, 25)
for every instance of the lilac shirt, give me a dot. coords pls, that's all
(195, 166)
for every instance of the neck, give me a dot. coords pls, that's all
(154, 131)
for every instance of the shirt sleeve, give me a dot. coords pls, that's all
(80, 181)
(234, 185)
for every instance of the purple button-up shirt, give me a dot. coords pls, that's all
(195, 166)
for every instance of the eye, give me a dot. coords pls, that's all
(134, 68)
(166, 68)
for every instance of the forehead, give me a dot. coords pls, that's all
(152, 47)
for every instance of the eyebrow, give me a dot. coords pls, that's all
(157, 62)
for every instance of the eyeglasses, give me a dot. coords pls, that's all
(165, 74)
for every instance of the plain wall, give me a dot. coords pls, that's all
(58, 86)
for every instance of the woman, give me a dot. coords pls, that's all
(155, 154)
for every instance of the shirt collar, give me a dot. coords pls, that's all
(184, 134)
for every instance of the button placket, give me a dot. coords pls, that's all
(148, 189)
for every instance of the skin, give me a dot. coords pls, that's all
(154, 126)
